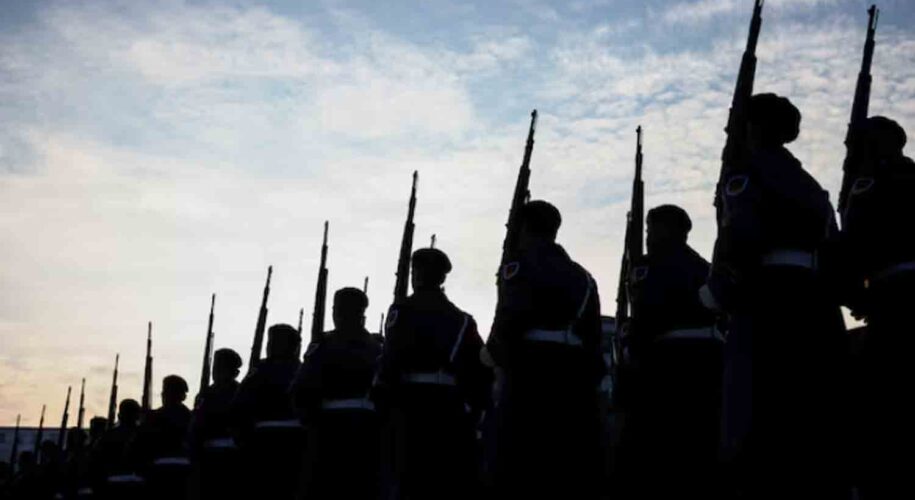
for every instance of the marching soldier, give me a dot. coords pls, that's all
(672, 423)
(271, 436)
(784, 356)
(435, 385)
(545, 343)
(109, 459)
(878, 233)
(160, 448)
(210, 434)
(210, 425)
(331, 395)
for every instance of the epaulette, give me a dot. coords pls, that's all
(736, 185)
(510, 270)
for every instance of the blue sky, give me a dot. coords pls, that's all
(154, 152)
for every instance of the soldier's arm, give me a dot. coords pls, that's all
(306, 388)
(593, 332)
(477, 376)
(513, 310)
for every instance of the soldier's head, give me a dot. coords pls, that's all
(97, 427)
(174, 391)
(349, 308)
(773, 121)
(540, 221)
(884, 137)
(76, 438)
(668, 228)
(283, 342)
(129, 413)
(49, 451)
(226, 366)
(430, 266)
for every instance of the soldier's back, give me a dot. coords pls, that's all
(332, 395)
(436, 389)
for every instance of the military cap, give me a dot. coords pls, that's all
(228, 356)
(888, 128)
(351, 298)
(128, 406)
(432, 260)
(671, 216)
(283, 330)
(174, 383)
(541, 217)
(780, 118)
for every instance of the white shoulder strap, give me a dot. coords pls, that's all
(460, 338)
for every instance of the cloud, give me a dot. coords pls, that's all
(701, 11)
(153, 154)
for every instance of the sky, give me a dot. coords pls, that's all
(153, 153)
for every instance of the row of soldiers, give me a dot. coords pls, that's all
(733, 378)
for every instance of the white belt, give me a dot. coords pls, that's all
(220, 444)
(905, 267)
(278, 424)
(348, 404)
(84, 492)
(126, 478)
(705, 333)
(183, 461)
(434, 378)
(790, 258)
(564, 337)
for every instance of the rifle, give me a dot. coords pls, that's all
(257, 345)
(39, 435)
(432, 241)
(82, 406)
(633, 248)
(207, 350)
(298, 349)
(14, 452)
(113, 397)
(734, 155)
(519, 199)
(852, 167)
(381, 326)
(406, 248)
(147, 373)
(365, 286)
(317, 315)
(61, 436)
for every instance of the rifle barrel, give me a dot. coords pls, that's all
(205, 372)
(852, 166)
(401, 285)
(113, 396)
(520, 197)
(320, 306)
(258, 342)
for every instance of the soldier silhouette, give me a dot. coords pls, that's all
(331, 395)
(271, 436)
(675, 349)
(545, 342)
(26, 483)
(110, 469)
(211, 437)
(160, 448)
(211, 424)
(878, 233)
(436, 387)
(785, 351)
